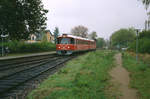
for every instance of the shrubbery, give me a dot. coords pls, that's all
(143, 43)
(22, 47)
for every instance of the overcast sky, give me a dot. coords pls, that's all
(102, 16)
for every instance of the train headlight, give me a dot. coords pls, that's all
(68, 47)
(59, 47)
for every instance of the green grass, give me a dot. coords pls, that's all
(85, 77)
(140, 75)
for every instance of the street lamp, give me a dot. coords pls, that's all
(137, 32)
(3, 36)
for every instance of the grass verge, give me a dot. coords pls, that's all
(85, 77)
(139, 75)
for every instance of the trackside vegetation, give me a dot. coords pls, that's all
(22, 47)
(85, 77)
(139, 75)
(143, 43)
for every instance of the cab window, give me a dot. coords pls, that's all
(65, 41)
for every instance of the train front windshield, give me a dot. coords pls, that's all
(65, 41)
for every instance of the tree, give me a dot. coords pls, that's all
(20, 18)
(143, 43)
(44, 38)
(144, 34)
(80, 31)
(100, 43)
(56, 34)
(93, 35)
(146, 3)
(123, 37)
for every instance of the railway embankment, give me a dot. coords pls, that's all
(84, 77)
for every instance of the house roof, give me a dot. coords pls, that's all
(49, 32)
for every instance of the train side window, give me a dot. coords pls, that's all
(72, 41)
(77, 41)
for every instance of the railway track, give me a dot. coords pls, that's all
(21, 60)
(15, 75)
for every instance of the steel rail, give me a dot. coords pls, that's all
(11, 82)
(23, 68)
(14, 61)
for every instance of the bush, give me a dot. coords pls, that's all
(22, 47)
(143, 45)
(144, 34)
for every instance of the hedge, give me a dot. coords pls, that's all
(143, 45)
(23, 47)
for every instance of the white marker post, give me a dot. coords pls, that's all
(3, 36)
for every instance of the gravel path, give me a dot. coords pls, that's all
(120, 76)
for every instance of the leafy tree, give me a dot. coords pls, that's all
(123, 37)
(146, 3)
(93, 35)
(143, 43)
(20, 18)
(144, 34)
(100, 43)
(56, 34)
(44, 38)
(80, 31)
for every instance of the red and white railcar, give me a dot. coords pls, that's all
(68, 44)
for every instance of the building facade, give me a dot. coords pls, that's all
(41, 36)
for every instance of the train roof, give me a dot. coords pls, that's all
(76, 37)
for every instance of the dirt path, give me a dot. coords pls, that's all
(120, 76)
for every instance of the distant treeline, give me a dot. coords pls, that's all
(126, 38)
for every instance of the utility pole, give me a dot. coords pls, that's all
(2, 44)
(146, 24)
(137, 32)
